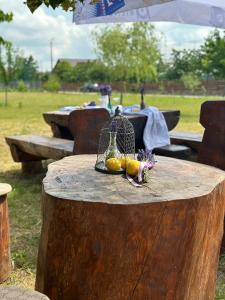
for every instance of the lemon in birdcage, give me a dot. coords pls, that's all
(113, 164)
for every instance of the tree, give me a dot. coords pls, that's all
(64, 71)
(27, 68)
(65, 4)
(191, 81)
(52, 84)
(8, 67)
(4, 17)
(185, 61)
(213, 55)
(130, 53)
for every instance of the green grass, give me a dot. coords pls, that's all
(24, 115)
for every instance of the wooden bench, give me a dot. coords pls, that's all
(209, 147)
(30, 150)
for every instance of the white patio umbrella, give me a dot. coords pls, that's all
(197, 12)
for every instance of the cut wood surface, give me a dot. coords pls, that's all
(103, 239)
(5, 189)
(18, 293)
(75, 178)
(5, 263)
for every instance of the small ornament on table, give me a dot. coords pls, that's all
(116, 145)
(138, 171)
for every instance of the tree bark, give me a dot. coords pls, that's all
(5, 263)
(103, 239)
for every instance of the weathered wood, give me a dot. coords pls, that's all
(59, 122)
(104, 239)
(35, 147)
(15, 292)
(212, 118)
(5, 264)
(192, 140)
(176, 151)
(85, 126)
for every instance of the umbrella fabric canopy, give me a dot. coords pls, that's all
(197, 12)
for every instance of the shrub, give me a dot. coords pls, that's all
(191, 81)
(21, 86)
(52, 84)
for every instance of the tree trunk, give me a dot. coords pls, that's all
(5, 263)
(103, 239)
(6, 95)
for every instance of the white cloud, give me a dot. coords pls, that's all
(33, 32)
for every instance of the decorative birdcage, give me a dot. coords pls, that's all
(116, 145)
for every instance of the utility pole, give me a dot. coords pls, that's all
(51, 53)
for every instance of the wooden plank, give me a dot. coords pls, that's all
(212, 118)
(42, 146)
(59, 122)
(192, 140)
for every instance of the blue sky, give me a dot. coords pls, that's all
(32, 34)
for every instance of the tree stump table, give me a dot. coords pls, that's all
(17, 293)
(103, 239)
(5, 264)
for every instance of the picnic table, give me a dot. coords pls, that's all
(104, 239)
(59, 123)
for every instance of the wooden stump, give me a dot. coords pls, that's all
(103, 239)
(14, 293)
(5, 264)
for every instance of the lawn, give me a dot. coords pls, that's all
(24, 115)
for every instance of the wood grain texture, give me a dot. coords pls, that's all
(85, 126)
(212, 118)
(103, 239)
(41, 147)
(5, 263)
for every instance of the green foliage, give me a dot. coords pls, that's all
(27, 68)
(191, 81)
(185, 61)
(208, 62)
(21, 86)
(213, 55)
(64, 4)
(130, 53)
(52, 84)
(64, 71)
(8, 67)
(5, 17)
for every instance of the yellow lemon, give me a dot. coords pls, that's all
(113, 164)
(124, 162)
(133, 167)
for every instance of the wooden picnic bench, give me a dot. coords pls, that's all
(30, 150)
(209, 147)
(74, 132)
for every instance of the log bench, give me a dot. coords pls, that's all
(30, 150)
(209, 147)
(104, 239)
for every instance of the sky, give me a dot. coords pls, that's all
(32, 33)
